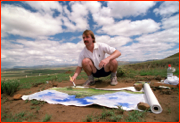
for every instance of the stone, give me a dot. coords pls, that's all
(138, 87)
(143, 106)
(54, 84)
(17, 96)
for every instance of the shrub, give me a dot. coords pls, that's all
(121, 72)
(9, 87)
(46, 118)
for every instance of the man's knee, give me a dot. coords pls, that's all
(114, 62)
(86, 61)
(112, 65)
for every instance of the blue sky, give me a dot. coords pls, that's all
(50, 32)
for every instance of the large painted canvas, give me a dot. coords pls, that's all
(127, 100)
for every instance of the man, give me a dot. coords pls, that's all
(92, 60)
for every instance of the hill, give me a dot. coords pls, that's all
(163, 63)
(173, 56)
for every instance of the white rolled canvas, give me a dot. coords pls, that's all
(152, 100)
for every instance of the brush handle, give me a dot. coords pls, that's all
(74, 84)
(72, 80)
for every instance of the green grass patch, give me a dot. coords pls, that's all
(116, 118)
(9, 87)
(136, 116)
(46, 118)
(19, 117)
(111, 115)
(89, 118)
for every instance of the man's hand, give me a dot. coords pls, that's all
(77, 72)
(104, 62)
(72, 79)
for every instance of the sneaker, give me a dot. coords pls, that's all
(89, 82)
(114, 80)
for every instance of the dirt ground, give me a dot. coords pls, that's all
(168, 99)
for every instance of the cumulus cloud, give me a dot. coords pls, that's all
(116, 41)
(171, 22)
(120, 9)
(154, 38)
(102, 20)
(19, 21)
(168, 36)
(75, 20)
(92, 6)
(44, 51)
(167, 8)
(145, 51)
(45, 6)
(50, 52)
(130, 28)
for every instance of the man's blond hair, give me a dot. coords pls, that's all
(87, 32)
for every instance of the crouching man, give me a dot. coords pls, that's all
(92, 60)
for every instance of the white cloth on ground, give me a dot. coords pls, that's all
(174, 80)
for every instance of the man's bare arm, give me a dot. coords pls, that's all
(77, 72)
(105, 61)
(114, 55)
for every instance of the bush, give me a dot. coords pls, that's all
(120, 72)
(124, 72)
(9, 87)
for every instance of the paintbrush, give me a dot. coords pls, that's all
(72, 81)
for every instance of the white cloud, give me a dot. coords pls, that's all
(157, 45)
(19, 21)
(120, 9)
(39, 52)
(146, 50)
(156, 40)
(75, 20)
(171, 22)
(128, 28)
(102, 20)
(167, 8)
(116, 41)
(169, 35)
(100, 15)
(92, 6)
(45, 6)
(43, 52)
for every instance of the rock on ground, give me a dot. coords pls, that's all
(143, 106)
(17, 96)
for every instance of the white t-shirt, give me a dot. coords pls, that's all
(98, 54)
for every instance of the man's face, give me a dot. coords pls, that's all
(87, 39)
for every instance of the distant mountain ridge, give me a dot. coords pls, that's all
(67, 65)
(46, 66)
